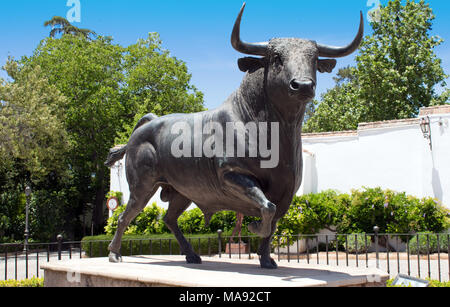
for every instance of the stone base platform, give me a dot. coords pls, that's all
(173, 271)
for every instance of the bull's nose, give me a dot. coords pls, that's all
(303, 86)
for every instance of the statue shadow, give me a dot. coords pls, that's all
(436, 183)
(284, 273)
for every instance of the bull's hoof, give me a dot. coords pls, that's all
(269, 264)
(115, 258)
(193, 259)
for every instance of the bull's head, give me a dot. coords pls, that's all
(290, 64)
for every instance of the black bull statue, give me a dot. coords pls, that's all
(276, 89)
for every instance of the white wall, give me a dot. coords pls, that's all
(391, 155)
(119, 184)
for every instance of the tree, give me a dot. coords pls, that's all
(397, 72)
(60, 25)
(89, 74)
(107, 89)
(34, 146)
(155, 83)
(31, 132)
(339, 108)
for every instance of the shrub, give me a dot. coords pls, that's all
(369, 207)
(311, 213)
(192, 222)
(27, 283)
(118, 195)
(149, 221)
(433, 284)
(393, 212)
(12, 214)
(356, 243)
(428, 240)
(165, 244)
(360, 211)
(428, 215)
(355, 213)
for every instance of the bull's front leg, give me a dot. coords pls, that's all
(247, 189)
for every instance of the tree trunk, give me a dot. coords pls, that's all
(99, 201)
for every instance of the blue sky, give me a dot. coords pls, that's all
(198, 31)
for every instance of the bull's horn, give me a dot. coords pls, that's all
(338, 52)
(243, 47)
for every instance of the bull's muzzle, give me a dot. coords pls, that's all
(303, 88)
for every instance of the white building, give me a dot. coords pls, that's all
(392, 155)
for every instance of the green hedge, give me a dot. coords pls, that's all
(356, 243)
(165, 244)
(428, 242)
(150, 222)
(27, 283)
(354, 213)
(433, 284)
(361, 210)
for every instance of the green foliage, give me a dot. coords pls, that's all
(31, 134)
(433, 284)
(193, 222)
(12, 215)
(360, 211)
(115, 194)
(162, 244)
(356, 213)
(439, 284)
(51, 213)
(356, 243)
(60, 25)
(155, 83)
(393, 212)
(190, 222)
(428, 243)
(67, 104)
(397, 72)
(311, 213)
(26, 283)
(111, 225)
(339, 110)
(149, 221)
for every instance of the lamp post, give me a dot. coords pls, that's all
(27, 208)
(425, 126)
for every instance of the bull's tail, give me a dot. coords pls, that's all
(115, 155)
(118, 153)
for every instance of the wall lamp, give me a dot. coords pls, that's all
(425, 126)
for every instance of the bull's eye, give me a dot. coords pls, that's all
(277, 59)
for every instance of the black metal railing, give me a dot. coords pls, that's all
(417, 255)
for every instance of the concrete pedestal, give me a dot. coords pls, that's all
(173, 271)
(237, 248)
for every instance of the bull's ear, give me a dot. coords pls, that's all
(250, 64)
(326, 65)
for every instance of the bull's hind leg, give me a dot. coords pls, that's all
(177, 205)
(135, 205)
(140, 175)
